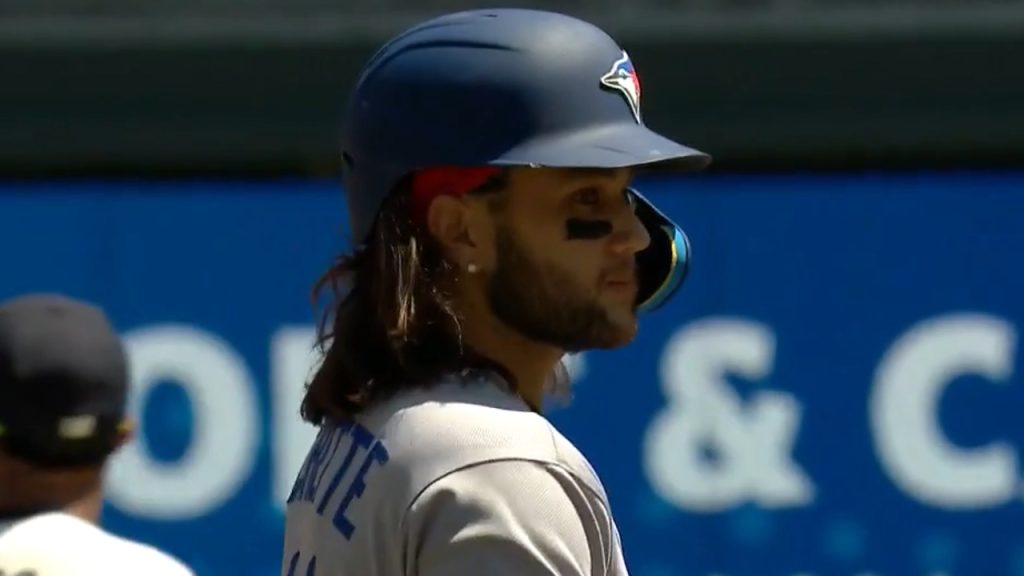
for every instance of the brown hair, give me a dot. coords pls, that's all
(392, 325)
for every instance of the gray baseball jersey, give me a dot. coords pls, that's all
(458, 479)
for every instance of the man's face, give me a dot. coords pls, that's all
(564, 266)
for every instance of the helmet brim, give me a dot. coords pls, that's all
(621, 145)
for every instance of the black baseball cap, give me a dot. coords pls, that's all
(63, 381)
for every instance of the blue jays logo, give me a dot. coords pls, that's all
(622, 77)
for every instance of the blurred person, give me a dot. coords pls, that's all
(63, 396)
(487, 158)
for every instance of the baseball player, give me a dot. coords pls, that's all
(63, 388)
(487, 158)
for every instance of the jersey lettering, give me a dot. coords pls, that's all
(337, 451)
(377, 455)
(361, 439)
(294, 564)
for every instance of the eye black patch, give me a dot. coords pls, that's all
(579, 229)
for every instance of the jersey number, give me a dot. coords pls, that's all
(293, 566)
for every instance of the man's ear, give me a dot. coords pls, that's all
(451, 222)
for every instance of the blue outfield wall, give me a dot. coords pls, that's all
(836, 390)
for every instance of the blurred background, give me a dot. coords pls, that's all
(835, 391)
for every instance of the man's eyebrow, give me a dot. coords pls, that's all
(590, 172)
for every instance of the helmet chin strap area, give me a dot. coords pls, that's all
(678, 263)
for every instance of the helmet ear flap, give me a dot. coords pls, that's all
(664, 264)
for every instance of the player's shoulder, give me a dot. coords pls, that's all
(149, 559)
(48, 527)
(466, 420)
(86, 542)
(466, 416)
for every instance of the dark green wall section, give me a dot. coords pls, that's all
(758, 104)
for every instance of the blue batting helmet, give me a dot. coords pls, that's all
(508, 87)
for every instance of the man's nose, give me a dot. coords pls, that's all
(630, 235)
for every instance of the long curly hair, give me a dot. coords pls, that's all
(392, 324)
